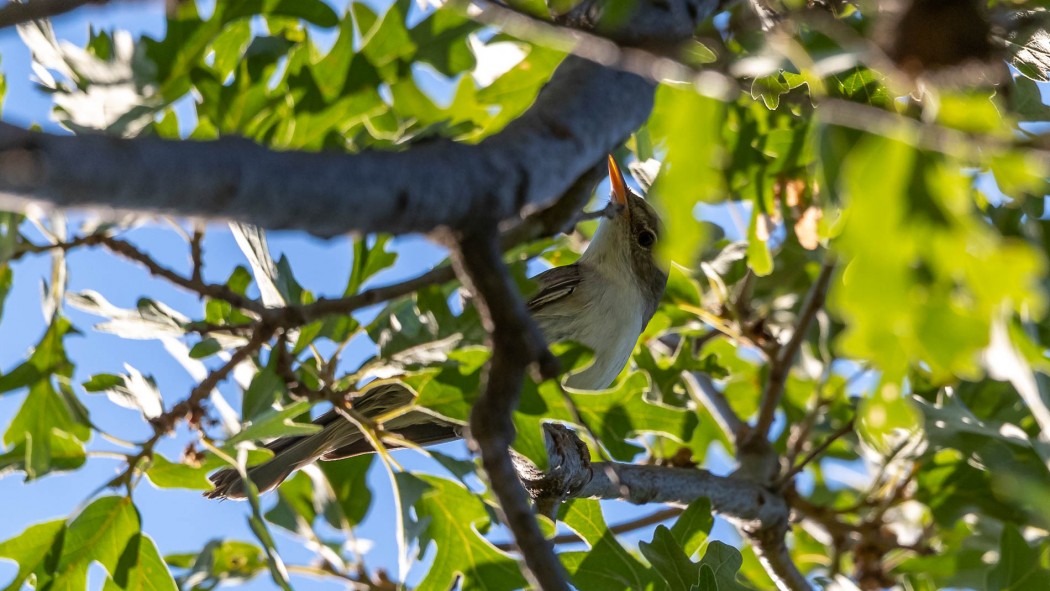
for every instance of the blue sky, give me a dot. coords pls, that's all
(179, 521)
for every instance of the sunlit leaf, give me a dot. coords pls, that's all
(452, 518)
(607, 565)
(35, 551)
(140, 568)
(276, 423)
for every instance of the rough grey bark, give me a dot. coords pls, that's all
(762, 514)
(584, 112)
(14, 13)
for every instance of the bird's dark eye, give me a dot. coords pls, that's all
(646, 238)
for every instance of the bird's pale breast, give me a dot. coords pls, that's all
(606, 316)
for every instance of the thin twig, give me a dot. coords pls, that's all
(197, 252)
(780, 365)
(191, 406)
(31, 248)
(797, 441)
(815, 453)
(767, 15)
(704, 391)
(627, 526)
(966, 146)
(212, 290)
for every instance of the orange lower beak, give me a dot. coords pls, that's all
(619, 186)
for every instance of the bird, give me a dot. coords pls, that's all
(603, 301)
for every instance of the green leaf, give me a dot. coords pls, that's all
(882, 417)
(101, 382)
(134, 391)
(34, 551)
(276, 423)
(724, 560)
(149, 320)
(48, 358)
(1031, 53)
(101, 533)
(45, 425)
(140, 568)
(453, 518)
(759, 257)
(973, 112)
(691, 528)
(692, 170)
(614, 415)
(294, 510)
(6, 278)
(769, 88)
(930, 295)
(229, 47)
(865, 86)
(423, 323)
(1018, 174)
(441, 42)
(607, 565)
(624, 411)
(698, 54)
(516, 90)
(369, 259)
(164, 473)
(1019, 567)
(314, 12)
(707, 581)
(219, 561)
(61, 451)
(205, 348)
(669, 560)
(265, 388)
(383, 39)
(350, 486)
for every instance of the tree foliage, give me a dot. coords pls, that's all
(800, 153)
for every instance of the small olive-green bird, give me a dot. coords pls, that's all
(603, 301)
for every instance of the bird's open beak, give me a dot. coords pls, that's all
(619, 186)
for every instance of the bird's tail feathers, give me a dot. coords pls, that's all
(289, 457)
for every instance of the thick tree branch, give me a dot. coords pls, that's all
(742, 502)
(581, 114)
(558, 217)
(516, 344)
(15, 13)
(572, 475)
(761, 514)
(772, 551)
(584, 112)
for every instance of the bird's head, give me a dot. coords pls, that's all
(625, 243)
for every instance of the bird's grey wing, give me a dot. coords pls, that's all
(555, 284)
